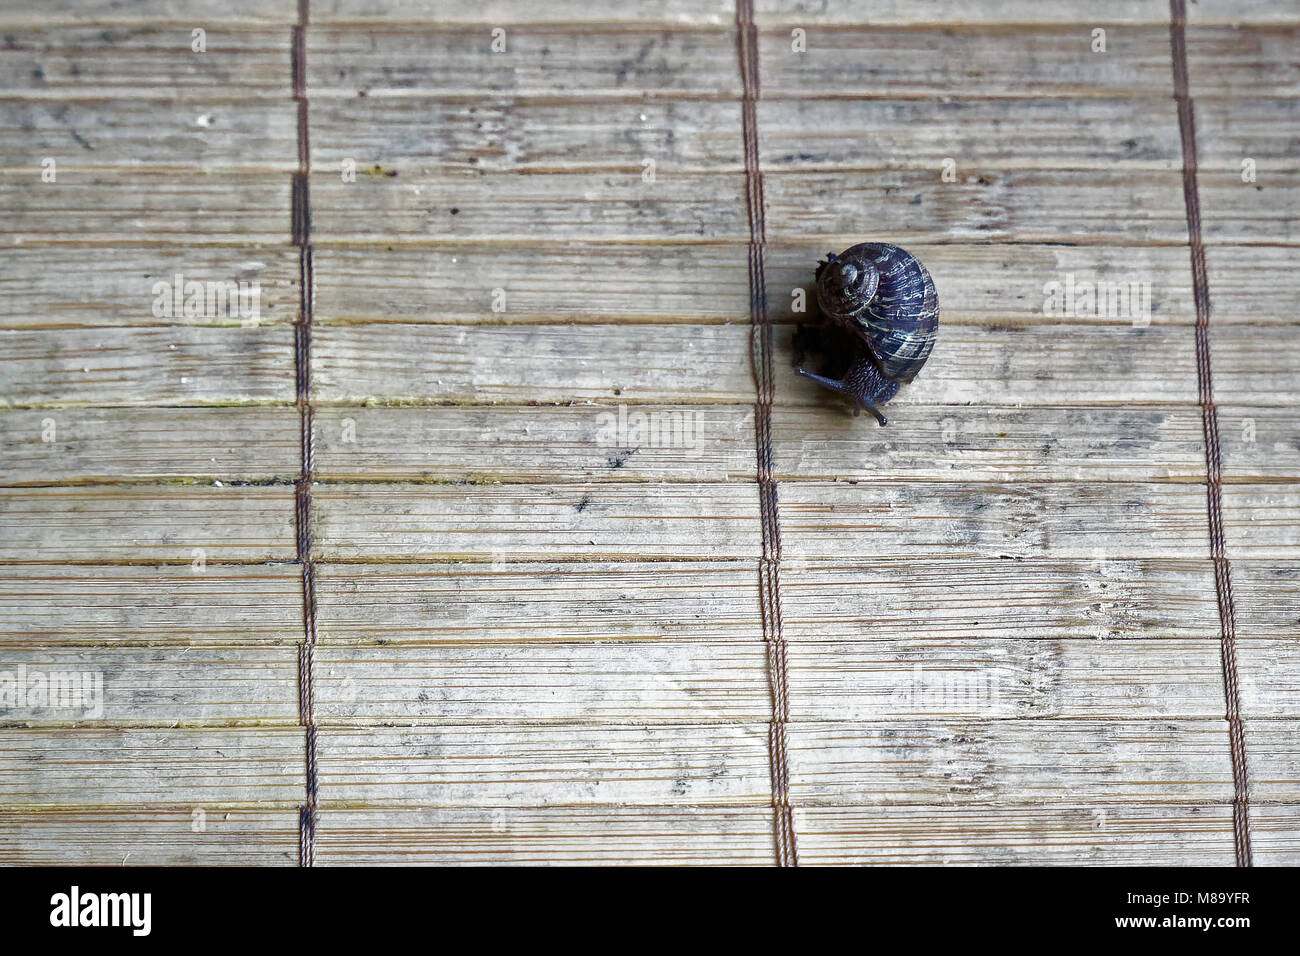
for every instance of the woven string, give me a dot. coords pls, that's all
(1213, 455)
(769, 567)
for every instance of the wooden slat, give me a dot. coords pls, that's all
(146, 366)
(556, 61)
(1103, 835)
(142, 768)
(553, 282)
(1267, 667)
(158, 206)
(994, 443)
(856, 60)
(614, 206)
(535, 522)
(73, 285)
(138, 60)
(48, 606)
(1255, 284)
(1275, 834)
(412, 363)
(541, 836)
(847, 13)
(146, 523)
(1262, 212)
(130, 837)
(140, 134)
(1259, 128)
(817, 133)
(521, 603)
(1246, 61)
(986, 204)
(421, 135)
(999, 365)
(1262, 521)
(93, 444)
(577, 443)
(516, 12)
(1256, 365)
(639, 683)
(522, 765)
(1259, 443)
(1274, 750)
(1056, 520)
(921, 678)
(1010, 762)
(1105, 597)
(150, 12)
(163, 687)
(1267, 597)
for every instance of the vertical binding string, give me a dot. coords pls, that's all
(301, 225)
(769, 567)
(1213, 455)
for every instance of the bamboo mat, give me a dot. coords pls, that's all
(511, 600)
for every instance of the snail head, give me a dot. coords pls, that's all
(846, 285)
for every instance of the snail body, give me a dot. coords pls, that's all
(883, 317)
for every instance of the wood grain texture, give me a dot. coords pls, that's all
(519, 603)
(81, 768)
(57, 286)
(1274, 748)
(821, 133)
(174, 524)
(507, 12)
(1261, 212)
(533, 766)
(1259, 443)
(613, 206)
(153, 11)
(540, 282)
(1051, 60)
(964, 601)
(993, 679)
(1056, 520)
(107, 206)
(1253, 284)
(986, 204)
(1243, 61)
(146, 366)
(1010, 762)
(534, 522)
(139, 59)
(535, 444)
(1267, 597)
(1274, 834)
(628, 62)
(160, 837)
(1256, 365)
(50, 606)
(422, 135)
(847, 13)
(546, 836)
(1262, 521)
(44, 446)
(177, 686)
(143, 134)
(640, 683)
(1258, 128)
(1117, 834)
(981, 366)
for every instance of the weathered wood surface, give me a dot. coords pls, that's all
(186, 605)
(44, 446)
(165, 523)
(137, 768)
(136, 61)
(160, 837)
(54, 286)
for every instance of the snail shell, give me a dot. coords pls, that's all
(886, 297)
(884, 316)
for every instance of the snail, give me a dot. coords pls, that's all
(883, 312)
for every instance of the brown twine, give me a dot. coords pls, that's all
(1213, 455)
(769, 566)
(301, 231)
